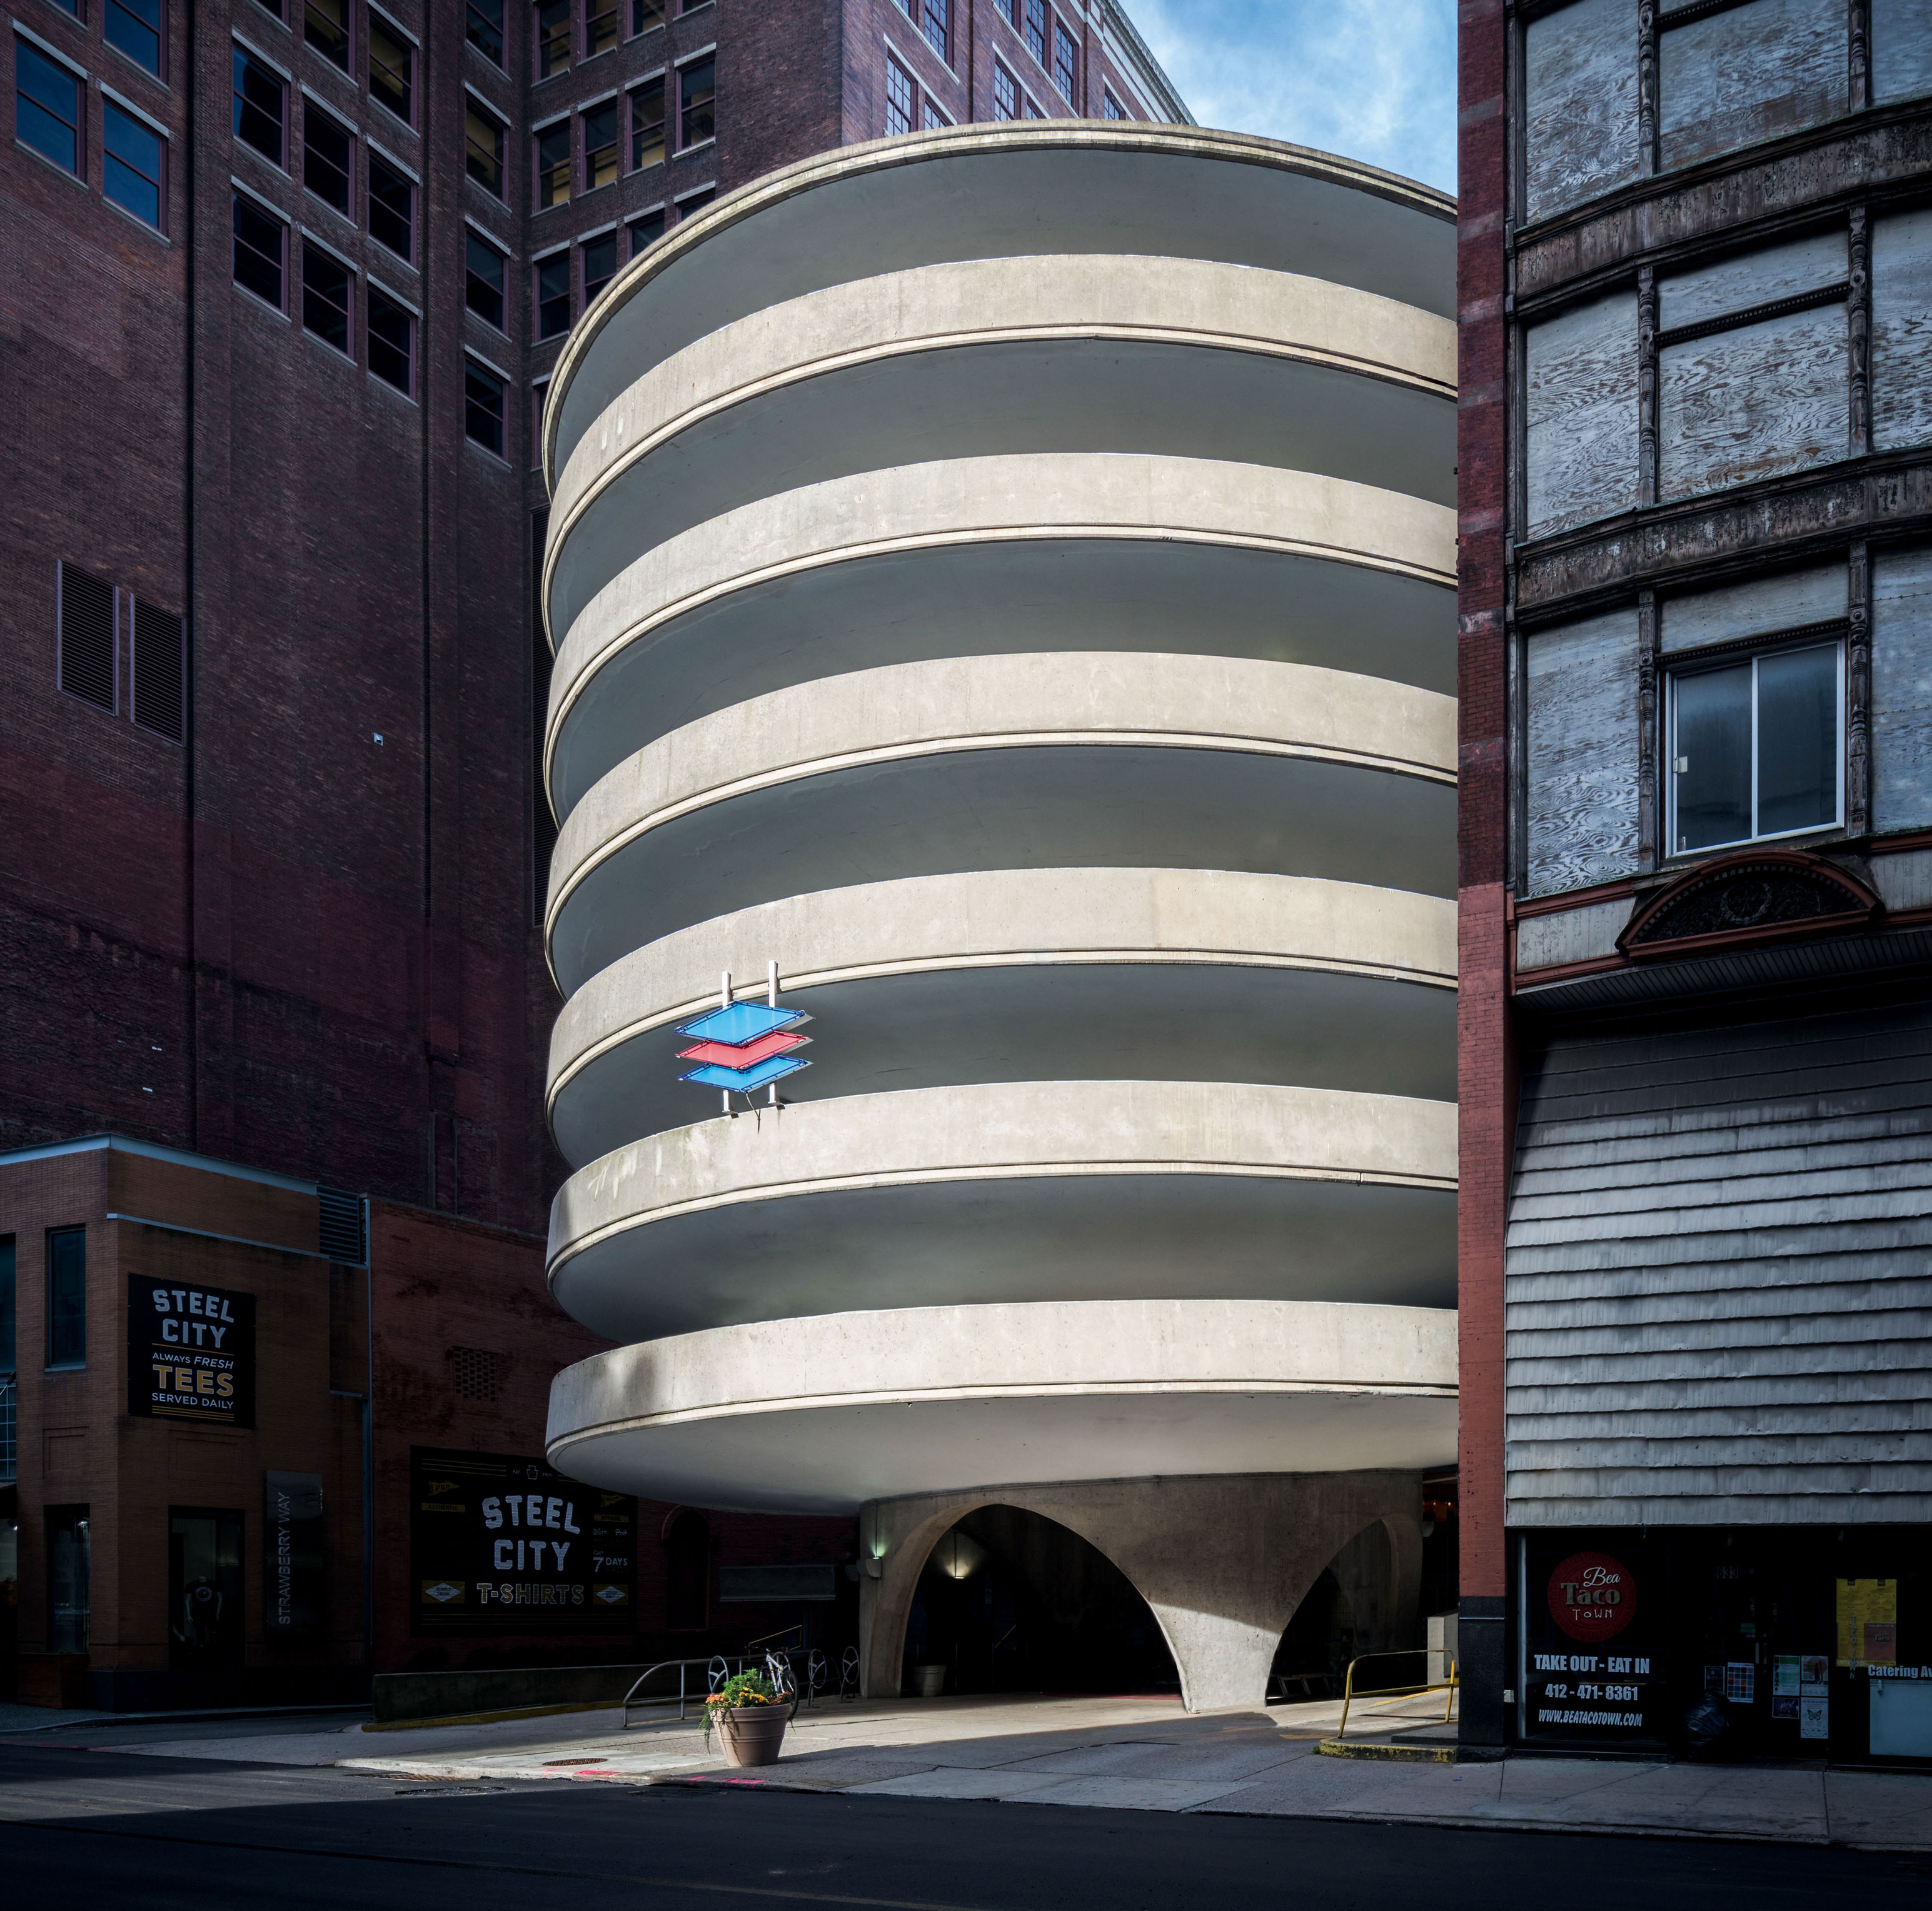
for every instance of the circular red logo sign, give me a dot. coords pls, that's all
(1592, 1596)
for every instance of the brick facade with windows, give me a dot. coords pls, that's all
(263, 397)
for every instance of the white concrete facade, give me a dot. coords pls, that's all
(1005, 578)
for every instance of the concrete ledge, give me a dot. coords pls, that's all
(1190, 357)
(991, 502)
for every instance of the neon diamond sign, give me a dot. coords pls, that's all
(740, 1047)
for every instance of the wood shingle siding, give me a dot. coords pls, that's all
(1718, 1287)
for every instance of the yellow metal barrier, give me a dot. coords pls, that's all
(1448, 1685)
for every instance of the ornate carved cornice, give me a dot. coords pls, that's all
(1748, 898)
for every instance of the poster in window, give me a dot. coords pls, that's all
(1592, 1672)
(190, 1353)
(503, 1543)
(1867, 1614)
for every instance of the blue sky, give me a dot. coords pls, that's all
(1372, 80)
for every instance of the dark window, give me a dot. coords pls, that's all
(130, 164)
(328, 156)
(73, 7)
(324, 296)
(930, 117)
(483, 406)
(1005, 93)
(1110, 107)
(600, 264)
(392, 69)
(261, 106)
(483, 279)
(692, 204)
(392, 207)
(67, 1575)
(1755, 748)
(47, 107)
(483, 154)
(206, 1609)
(600, 146)
(554, 47)
(1066, 66)
(933, 19)
(1036, 29)
(258, 236)
(483, 27)
(7, 1309)
(600, 26)
(67, 1297)
(899, 97)
(325, 28)
(647, 125)
(553, 312)
(159, 670)
(86, 663)
(554, 165)
(646, 14)
(697, 98)
(647, 231)
(392, 337)
(687, 1544)
(136, 27)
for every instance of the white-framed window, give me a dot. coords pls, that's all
(1754, 746)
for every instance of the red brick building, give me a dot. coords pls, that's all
(286, 280)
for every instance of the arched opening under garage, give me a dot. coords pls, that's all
(1009, 1601)
(1357, 1606)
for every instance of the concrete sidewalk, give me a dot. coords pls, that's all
(1131, 1754)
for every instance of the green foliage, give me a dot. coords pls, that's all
(742, 1688)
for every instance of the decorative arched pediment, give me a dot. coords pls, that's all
(1748, 897)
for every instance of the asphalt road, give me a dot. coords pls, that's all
(100, 1828)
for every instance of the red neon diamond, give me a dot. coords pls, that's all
(746, 1054)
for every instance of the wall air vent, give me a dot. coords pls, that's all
(84, 643)
(345, 1232)
(158, 672)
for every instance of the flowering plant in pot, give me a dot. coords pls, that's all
(750, 1717)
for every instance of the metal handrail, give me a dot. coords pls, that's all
(1449, 1685)
(723, 1668)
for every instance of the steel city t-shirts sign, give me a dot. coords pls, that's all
(502, 1544)
(190, 1353)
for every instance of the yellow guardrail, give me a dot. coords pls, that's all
(1385, 1694)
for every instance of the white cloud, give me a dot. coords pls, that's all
(1370, 80)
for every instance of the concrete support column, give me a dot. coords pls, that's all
(1222, 1562)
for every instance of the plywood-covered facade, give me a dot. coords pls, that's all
(1697, 802)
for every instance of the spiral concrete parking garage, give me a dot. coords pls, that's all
(1004, 578)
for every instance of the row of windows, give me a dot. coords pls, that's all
(49, 117)
(906, 105)
(564, 33)
(328, 28)
(120, 653)
(1054, 50)
(625, 133)
(933, 19)
(66, 1295)
(261, 120)
(556, 295)
(136, 27)
(326, 295)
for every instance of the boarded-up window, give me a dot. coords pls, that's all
(1579, 84)
(1581, 414)
(1747, 74)
(1901, 689)
(1789, 600)
(1765, 395)
(86, 654)
(1901, 342)
(1582, 807)
(1901, 49)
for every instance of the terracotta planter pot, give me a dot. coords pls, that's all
(752, 1734)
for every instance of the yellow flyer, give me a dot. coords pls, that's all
(1867, 1622)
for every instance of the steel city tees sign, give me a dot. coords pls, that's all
(190, 1353)
(499, 1543)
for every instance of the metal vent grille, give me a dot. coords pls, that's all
(344, 1234)
(473, 1373)
(84, 643)
(158, 670)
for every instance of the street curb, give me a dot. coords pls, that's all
(1338, 1748)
